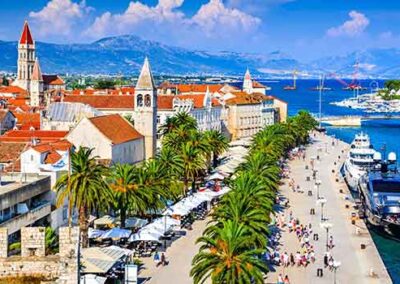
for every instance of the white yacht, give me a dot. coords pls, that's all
(359, 159)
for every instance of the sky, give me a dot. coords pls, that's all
(302, 29)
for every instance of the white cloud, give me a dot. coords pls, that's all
(164, 20)
(214, 17)
(59, 17)
(135, 17)
(355, 26)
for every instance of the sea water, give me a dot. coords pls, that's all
(383, 133)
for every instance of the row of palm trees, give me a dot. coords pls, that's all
(143, 189)
(233, 243)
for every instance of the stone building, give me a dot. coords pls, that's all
(61, 268)
(113, 138)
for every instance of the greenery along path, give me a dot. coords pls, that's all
(233, 243)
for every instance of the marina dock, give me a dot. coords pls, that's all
(353, 248)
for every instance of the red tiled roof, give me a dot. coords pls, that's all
(115, 128)
(26, 120)
(15, 90)
(52, 80)
(125, 91)
(52, 157)
(28, 135)
(257, 85)
(198, 88)
(61, 145)
(103, 102)
(243, 98)
(26, 37)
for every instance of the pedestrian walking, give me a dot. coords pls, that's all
(286, 280)
(163, 260)
(156, 258)
(326, 259)
(280, 280)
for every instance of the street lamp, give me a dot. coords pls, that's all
(318, 183)
(322, 202)
(336, 265)
(326, 226)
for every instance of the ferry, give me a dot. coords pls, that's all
(359, 160)
(379, 193)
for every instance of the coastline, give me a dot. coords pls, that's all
(357, 265)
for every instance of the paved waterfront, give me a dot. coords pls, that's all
(356, 264)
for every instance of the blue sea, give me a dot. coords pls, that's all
(382, 133)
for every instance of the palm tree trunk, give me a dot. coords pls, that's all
(185, 186)
(122, 213)
(215, 159)
(83, 227)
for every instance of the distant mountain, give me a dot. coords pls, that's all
(372, 63)
(124, 54)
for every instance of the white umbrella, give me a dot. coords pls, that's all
(135, 222)
(168, 220)
(95, 233)
(144, 236)
(216, 176)
(116, 233)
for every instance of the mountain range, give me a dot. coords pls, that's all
(124, 55)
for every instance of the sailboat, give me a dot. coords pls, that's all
(292, 87)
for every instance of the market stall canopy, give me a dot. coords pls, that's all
(95, 233)
(106, 220)
(101, 260)
(144, 236)
(93, 279)
(116, 233)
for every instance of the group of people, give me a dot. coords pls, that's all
(160, 260)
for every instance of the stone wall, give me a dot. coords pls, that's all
(61, 268)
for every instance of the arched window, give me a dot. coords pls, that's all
(147, 101)
(139, 100)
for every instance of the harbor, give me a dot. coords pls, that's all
(354, 252)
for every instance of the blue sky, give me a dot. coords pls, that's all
(304, 29)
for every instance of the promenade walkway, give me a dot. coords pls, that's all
(357, 265)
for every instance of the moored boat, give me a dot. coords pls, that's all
(359, 160)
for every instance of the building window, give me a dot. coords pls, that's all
(139, 100)
(147, 101)
(31, 158)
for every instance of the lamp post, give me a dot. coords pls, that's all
(318, 183)
(336, 265)
(322, 202)
(326, 226)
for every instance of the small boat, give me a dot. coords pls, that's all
(379, 193)
(290, 88)
(294, 86)
(359, 160)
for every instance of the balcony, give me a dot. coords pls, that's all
(22, 220)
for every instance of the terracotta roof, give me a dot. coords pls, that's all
(198, 88)
(10, 153)
(26, 120)
(28, 135)
(115, 128)
(15, 90)
(258, 85)
(52, 157)
(166, 101)
(61, 145)
(103, 102)
(243, 98)
(26, 37)
(52, 80)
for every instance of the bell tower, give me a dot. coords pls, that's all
(26, 58)
(146, 109)
(36, 85)
(247, 82)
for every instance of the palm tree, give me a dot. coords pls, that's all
(192, 162)
(228, 256)
(85, 188)
(218, 144)
(179, 119)
(127, 193)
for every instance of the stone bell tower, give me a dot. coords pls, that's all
(247, 82)
(26, 58)
(146, 109)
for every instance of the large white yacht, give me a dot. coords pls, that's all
(359, 159)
